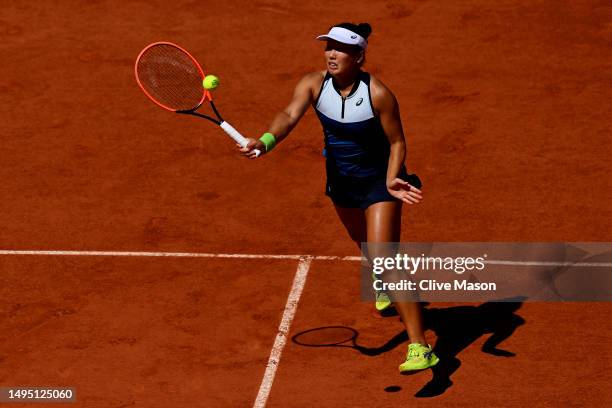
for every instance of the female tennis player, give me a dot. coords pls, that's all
(365, 152)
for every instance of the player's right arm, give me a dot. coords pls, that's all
(288, 118)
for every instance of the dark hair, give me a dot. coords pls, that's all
(363, 29)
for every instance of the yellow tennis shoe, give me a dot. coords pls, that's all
(419, 357)
(382, 299)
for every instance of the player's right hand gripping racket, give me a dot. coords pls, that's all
(172, 79)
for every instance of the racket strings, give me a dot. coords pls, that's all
(170, 77)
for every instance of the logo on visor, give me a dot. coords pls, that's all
(359, 101)
(353, 36)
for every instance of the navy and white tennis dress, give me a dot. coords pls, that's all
(356, 148)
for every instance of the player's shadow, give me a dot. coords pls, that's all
(458, 327)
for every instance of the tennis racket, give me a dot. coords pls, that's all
(172, 78)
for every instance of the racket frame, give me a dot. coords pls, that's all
(206, 94)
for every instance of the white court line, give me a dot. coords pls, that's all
(283, 330)
(176, 255)
(534, 263)
(267, 256)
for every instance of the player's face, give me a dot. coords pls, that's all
(341, 58)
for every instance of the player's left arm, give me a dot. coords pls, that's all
(386, 107)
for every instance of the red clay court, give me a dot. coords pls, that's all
(177, 272)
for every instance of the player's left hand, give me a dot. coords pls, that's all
(404, 191)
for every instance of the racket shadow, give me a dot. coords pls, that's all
(344, 336)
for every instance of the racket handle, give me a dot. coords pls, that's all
(234, 134)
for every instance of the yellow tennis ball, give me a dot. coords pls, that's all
(210, 82)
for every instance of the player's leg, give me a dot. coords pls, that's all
(383, 221)
(354, 222)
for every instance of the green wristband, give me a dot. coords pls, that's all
(268, 140)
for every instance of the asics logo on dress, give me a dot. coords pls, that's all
(359, 101)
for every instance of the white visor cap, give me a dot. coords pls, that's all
(344, 36)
